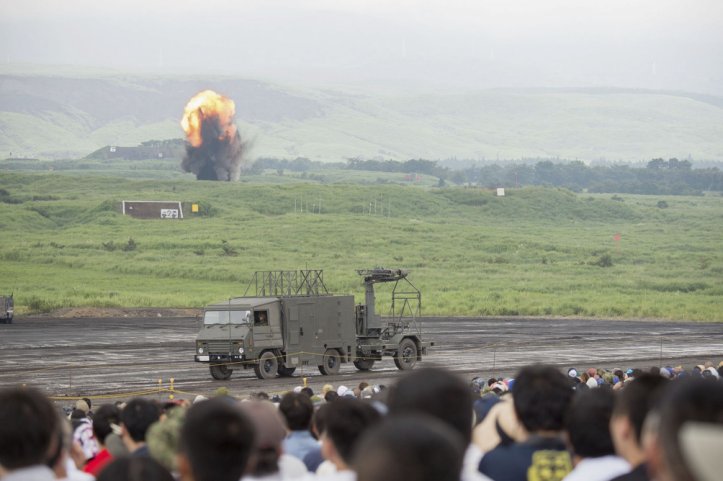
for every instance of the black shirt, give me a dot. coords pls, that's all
(537, 459)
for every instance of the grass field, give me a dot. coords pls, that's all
(534, 252)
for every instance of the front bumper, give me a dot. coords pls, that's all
(219, 358)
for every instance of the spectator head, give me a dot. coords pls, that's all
(103, 420)
(163, 438)
(260, 396)
(436, 393)
(347, 420)
(217, 440)
(326, 388)
(541, 396)
(690, 400)
(29, 429)
(632, 405)
(137, 416)
(588, 423)
(76, 416)
(318, 421)
(270, 433)
(412, 448)
(134, 469)
(331, 396)
(297, 410)
(308, 391)
(83, 405)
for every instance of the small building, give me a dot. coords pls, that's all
(153, 209)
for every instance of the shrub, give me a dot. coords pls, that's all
(227, 249)
(130, 245)
(604, 261)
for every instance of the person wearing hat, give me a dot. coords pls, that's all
(689, 403)
(268, 461)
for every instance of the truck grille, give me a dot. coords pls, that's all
(219, 347)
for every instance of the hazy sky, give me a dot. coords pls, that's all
(399, 44)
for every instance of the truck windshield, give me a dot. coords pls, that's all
(226, 317)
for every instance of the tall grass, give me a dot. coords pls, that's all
(534, 252)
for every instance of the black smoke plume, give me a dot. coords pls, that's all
(218, 157)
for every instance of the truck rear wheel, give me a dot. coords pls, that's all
(267, 367)
(406, 356)
(220, 372)
(331, 362)
(364, 364)
(286, 371)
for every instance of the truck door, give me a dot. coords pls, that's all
(292, 314)
(307, 332)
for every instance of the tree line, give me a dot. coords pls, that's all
(659, 176)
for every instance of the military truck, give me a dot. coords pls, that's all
(291, 321)
(6, 309)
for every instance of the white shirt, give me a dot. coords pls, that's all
(470, 465)
(292, 467)
(32, 473)
(603, 468)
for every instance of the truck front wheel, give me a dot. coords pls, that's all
(331, 362)
(406, 356)
(267, 367)
(220, 372)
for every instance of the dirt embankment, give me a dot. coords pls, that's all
(108, 312)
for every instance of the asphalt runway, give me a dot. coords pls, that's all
(118, 358)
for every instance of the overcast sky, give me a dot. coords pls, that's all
(395, 44)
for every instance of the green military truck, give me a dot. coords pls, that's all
(6, 309)
(291, 321)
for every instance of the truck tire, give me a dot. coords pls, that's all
(331, 362)
(364, 364)
(220, 372)
(286, 371)
(268, 366)
(406, 356)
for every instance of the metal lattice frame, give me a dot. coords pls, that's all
(304, 282)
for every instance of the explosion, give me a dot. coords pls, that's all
(214, 150)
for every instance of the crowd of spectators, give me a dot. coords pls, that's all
(544, 424)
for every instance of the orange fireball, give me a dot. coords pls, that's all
(208, 106)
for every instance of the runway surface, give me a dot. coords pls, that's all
(118, 358)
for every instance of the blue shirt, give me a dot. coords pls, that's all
(299, 443)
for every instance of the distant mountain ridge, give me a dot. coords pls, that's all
(61, 116)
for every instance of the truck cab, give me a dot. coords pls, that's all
(233, 333)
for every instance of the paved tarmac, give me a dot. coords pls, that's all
(119, 358)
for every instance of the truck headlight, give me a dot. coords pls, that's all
(200, 350)
(240, 350)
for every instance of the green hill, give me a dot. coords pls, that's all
(64, 117)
